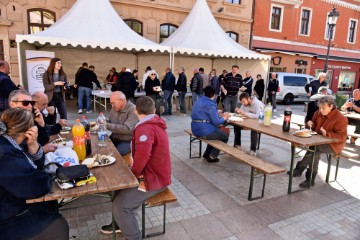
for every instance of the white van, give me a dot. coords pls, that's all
(292, 87)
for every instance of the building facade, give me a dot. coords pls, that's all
(296, 34)
(153, 19)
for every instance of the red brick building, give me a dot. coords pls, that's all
(295, 33)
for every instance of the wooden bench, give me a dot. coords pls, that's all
(354, 135)
(159, 199)
(330, 158)
(258, 166)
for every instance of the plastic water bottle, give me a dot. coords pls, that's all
(261, 117)
(102, 133)
(268, 115)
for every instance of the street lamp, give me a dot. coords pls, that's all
(331, 21)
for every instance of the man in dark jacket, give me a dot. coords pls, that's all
(248, 83)
(181, 88)
(315, 84)
(84, 81)
(6, 85)
(127, 84)
(272, 89)
(259, 87)
(230, 87)
(151, 165)
(168, 86)
(196, 86)
(313, 103)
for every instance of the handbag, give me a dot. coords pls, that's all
(70, 174)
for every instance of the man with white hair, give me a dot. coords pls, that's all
(316, 84)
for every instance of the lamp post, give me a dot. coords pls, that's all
(331, 21)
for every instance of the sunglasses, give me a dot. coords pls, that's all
(26, 103)
(153, 74)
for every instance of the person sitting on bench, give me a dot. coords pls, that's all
(353, 104)
(151, 165)
(205, 122)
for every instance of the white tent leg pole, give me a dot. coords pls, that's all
(267, 82)
(212, 64)
(20, 63)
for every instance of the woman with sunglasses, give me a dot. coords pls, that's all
(22, 178)
(152, 89)
(55, 83)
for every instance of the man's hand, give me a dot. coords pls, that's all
(75, 86)
(323, 131)
(49, 148)
(31, 135)
(51, 110)
(226, 116)
(309, 94)
(38, 117)
(63, 122)
(349, 105)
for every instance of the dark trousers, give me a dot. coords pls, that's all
(356, 123)
(157, 104)
(272, 99)
(253, 138)
(168, 101)
(182, 102)
(216, 135)
(306, 161)
(59, 103)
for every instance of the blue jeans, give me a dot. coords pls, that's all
(84, 91)
(216, 135)
(182, 102)
(123, 147)
(195, 97)
(230, 103)
(168, 101)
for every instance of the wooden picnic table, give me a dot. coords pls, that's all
(352, 115)
(108, 178)
(276, 131)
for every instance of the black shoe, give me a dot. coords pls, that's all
(296, 173)
(206, 156)
(212, 159)
(164, 114)
(306, 184)
(107, 229)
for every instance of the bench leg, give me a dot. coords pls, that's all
(143, 224)
(143, 220)
(328, 168)
(258, 143)
(337, 167)
(250, 198)
(192, 140)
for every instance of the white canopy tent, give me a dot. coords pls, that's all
(202, 36)
(94, 26)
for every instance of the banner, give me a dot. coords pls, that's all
(37, 63)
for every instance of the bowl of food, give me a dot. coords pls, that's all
(306, 133)
(98, 160)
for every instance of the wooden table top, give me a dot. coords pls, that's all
(108, 178)
(276, 131)
(352, 115)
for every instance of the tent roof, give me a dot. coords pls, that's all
(200, 34)
(92, 23)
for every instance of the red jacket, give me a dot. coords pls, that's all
(151, 153)
(335, 125)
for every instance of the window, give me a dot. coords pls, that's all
(233, 35)
(166, 30)
(2, 50)
(352, 31)
(277, 69)
(234, 1)
(40, 19)
(305, 22)
(276, 18)
(295, 81)
(300, 70)
(346, 81)
(135, 25)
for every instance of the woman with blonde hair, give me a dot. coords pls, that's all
(22, 178)
(55, 83)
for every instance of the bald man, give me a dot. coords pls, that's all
(41, 103)
(6, 85)
(122, 121)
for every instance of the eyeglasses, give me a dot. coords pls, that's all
(153, 74)
(26, 103)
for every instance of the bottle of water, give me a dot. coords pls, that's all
(102, 132)
(261, 117)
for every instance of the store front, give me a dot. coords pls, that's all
(289, 63)
(342, 77)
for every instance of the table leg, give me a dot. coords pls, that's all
(94, 102)
(291, 168)
(312, 166)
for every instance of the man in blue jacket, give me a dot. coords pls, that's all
(205, 122)
(168, 86)
(6, 85)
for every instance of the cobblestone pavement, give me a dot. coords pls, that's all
(212, 198)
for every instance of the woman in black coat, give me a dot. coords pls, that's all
(153, 89)
(259, 87)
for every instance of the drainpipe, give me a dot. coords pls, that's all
(252, 25)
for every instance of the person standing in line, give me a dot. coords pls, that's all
(214, 82)
(151, 165)
(152, 89)
(168, 86)
(272, 89)
(146, 75)
(313, 105)
(222, 96)
(111, 78)
(181, 88)
(259, 87)
(230, 87)
(315, 84)
(205, 77)
(84, 82)
(128, 85)
(6, 85)
(196, 86)
(248, 83)
(55, 83)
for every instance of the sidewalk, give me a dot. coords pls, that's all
(212, 198)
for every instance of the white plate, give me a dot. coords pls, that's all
(89, 162)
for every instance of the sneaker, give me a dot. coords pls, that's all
(274, 110)
(252, 153)
(107, 229)
(89, 111)
(80, 111)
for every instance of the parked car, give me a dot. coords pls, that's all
(292, 87)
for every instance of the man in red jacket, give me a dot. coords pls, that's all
(152, 166)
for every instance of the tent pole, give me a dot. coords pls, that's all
(137, 61)
(267, 82)
(212, 64)
(20, 63)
